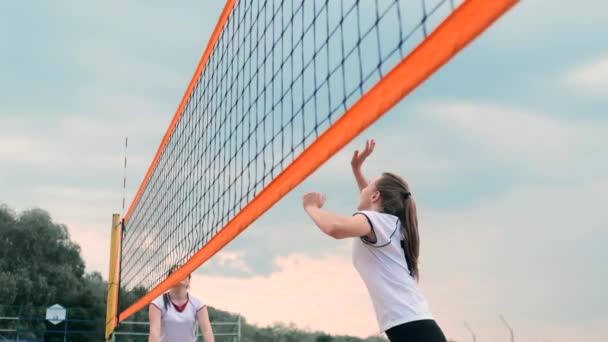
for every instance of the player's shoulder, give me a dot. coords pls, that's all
(159, 302)
(196, 302)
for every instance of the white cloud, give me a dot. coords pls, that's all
(91, 142)
(233, 260)
(319, 294)
(54, 192)
(533, 24)
(590, 78)
(21, 150)
(74, 148)
(94, 242)
(512, 132)
(541, 144)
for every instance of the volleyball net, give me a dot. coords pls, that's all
(281, 87)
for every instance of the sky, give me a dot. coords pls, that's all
(503, 148)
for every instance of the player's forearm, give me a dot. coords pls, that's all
(361, 181)
(154, 336)
(208, 336)
(328, 222)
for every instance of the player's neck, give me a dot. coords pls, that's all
(377, 206)
(179, 296)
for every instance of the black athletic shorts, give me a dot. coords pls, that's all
(425, 330)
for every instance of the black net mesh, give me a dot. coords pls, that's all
(280, 74)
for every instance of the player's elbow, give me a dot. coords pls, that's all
(336, 231)
(334, 234)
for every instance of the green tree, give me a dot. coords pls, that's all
(324, 338)
(41, 266)
(38, 255)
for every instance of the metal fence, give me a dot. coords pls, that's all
(222, 331)
(29, 324)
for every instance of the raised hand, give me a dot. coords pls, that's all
(359, 157)
(357, 161)
(313, 199)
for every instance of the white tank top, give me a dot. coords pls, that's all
(178, 326)
(384, 270)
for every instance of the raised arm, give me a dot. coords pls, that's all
(357, 162)
(334, 225)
